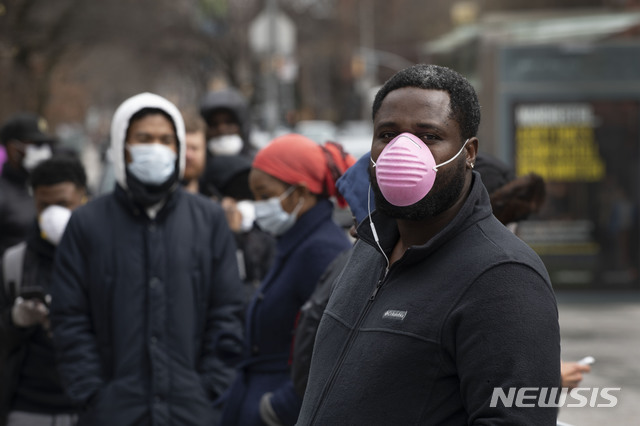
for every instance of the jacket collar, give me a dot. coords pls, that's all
(125, 198)
(304, 226)
(475, 208)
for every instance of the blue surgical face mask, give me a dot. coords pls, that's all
(271, 217)
(152, 163)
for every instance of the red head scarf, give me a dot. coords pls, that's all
(296, 159)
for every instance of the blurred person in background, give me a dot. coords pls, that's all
(31, 392)
(514, 200)
(27, 143)
(226, 179)
(146, 297)
(226, 113)
(292, 179)
(196, 155)
(353, 185)
(439, 304)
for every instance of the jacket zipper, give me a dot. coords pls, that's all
(379, 284)
(343, 354)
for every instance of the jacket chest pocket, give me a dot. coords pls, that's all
(407, 318)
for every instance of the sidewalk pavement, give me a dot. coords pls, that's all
(605, 325)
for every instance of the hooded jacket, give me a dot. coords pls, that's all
(430, 341)
(227, 175)
(146, 312)
(232, 100)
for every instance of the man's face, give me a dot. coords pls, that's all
(64, 194)
(195, 156)
(222, 122)
(154, 128)
(426, 114)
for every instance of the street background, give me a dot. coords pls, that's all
(558, 81)
(605, 326)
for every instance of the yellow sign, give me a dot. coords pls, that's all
(558, 143)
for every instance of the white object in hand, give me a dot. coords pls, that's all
(588, 360)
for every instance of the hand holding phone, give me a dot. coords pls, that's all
(35, 294)
(30, 308)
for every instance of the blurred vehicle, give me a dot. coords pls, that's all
(319, 131)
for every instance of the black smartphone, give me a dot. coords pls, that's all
(35, 293)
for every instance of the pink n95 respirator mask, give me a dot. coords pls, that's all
(406, 170)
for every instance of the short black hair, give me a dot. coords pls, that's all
(150, 111)
(59, 169)
(465, 109)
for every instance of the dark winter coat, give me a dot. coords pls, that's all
(29, 379)
(303, 253)
(17, 209)
(428, 342)
(146, 313)
(228, 176)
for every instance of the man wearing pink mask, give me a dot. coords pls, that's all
(440, 307)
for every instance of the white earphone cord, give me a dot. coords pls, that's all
(373, 227)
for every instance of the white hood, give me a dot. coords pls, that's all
(120, 124)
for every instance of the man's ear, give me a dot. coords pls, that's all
(471, 150)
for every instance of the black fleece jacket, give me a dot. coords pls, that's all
(470, 311)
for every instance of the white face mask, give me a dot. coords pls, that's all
(271, 217)
(53, 221)
(225, 145)
(34, 155)
(152, 163)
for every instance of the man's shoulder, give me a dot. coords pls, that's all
(489, 246)
(9, 187)
(499, 236)
(500, 246)
(99, 202)
(97, 209)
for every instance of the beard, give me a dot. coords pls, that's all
(446, 190)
